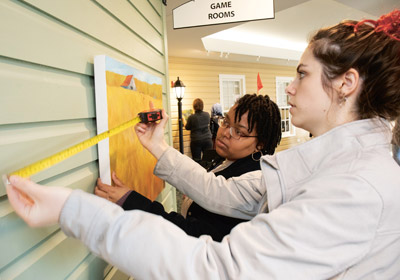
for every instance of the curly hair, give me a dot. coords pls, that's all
(374, 53)
(264, 116)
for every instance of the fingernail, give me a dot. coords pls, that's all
(14, 179)
(5, 180)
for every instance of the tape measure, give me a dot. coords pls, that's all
(40, 165)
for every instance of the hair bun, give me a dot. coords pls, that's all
(388, 24)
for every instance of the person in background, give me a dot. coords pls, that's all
(327, 209)
(241, 141)
(216, 115)
(200, 135)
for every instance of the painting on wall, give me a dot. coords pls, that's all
(187, 113)
(122, 92)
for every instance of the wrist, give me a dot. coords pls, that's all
(159, 149)
(60, 198)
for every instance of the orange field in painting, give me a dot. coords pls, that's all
(132, 163)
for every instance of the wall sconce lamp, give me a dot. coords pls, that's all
(179, 90)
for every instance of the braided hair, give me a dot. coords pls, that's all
(264, 116)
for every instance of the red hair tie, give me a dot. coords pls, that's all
(388, 24)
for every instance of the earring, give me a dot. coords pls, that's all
(255, 155)
(342, 100)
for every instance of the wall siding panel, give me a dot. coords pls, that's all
(39, 38)
(40, 140)
(85, 16)
(129, 15)
(48, 104)
(151, 15)
(18, 239)
(157, 5)
(88, 269)
(67, 95)
(62, 259)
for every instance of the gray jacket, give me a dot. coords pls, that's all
(333, 208)
(199, 126)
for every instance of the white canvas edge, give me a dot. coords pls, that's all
(103, 146)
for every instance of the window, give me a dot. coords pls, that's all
(282, 100)
(231, 87)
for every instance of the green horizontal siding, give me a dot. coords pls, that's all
(47, 103)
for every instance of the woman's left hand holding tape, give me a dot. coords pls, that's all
(37, 205)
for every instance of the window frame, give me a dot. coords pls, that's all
(231, 78)
(288, 129)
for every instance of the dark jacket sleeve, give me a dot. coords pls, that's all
(199, 221)
(191, 225)
(189, 121)
(136, 201)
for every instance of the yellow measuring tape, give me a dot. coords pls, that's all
(60, 156)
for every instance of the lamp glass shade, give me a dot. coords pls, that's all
(179, 92)
(179, 89)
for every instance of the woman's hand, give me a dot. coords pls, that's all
(37, 205)
(151, 135)
(111, 193)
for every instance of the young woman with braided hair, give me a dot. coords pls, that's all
(263, 116)
(327, 209)
(251, 128)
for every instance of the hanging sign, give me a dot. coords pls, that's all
(208, 12)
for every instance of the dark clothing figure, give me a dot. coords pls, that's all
(216, 114)
(396, 141)
(199, 221)
(200, 135)
(214, 126)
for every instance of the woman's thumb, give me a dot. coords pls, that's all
(26, 188)
(165, 118)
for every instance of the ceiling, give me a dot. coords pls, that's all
(275, 41)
